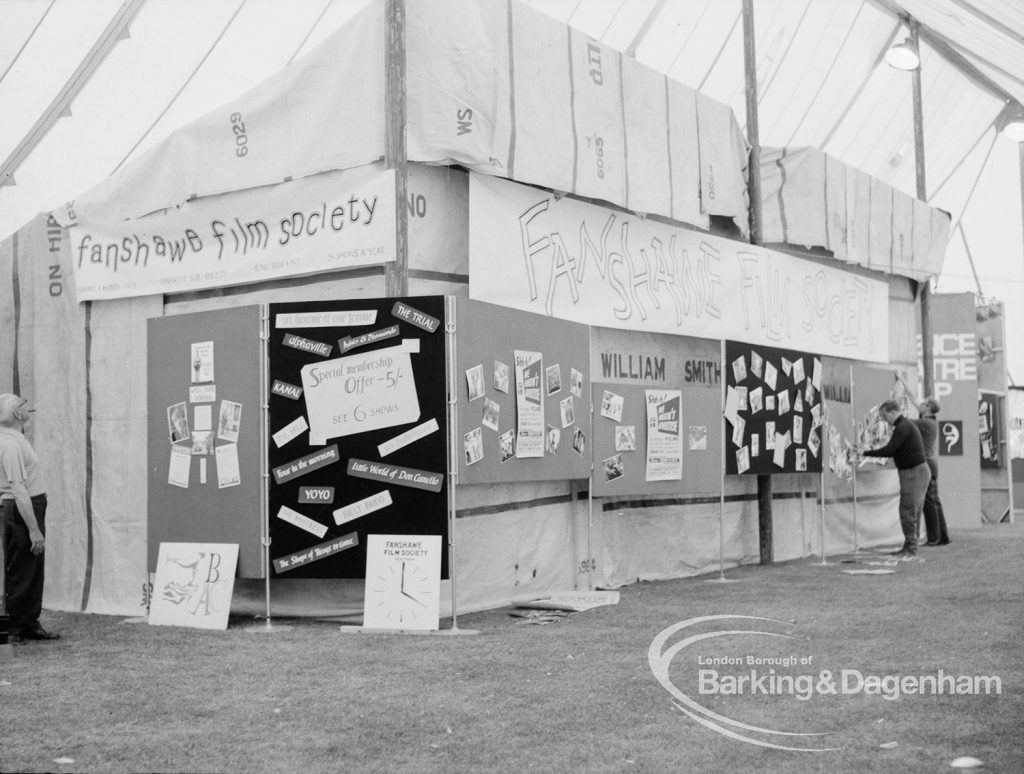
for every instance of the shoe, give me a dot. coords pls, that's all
(14, 639)
(934, 543)
(906, 555)
(898, 552)
(39, 633)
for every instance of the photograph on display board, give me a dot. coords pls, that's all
(360, 446)
(772, 410)
(177, 423)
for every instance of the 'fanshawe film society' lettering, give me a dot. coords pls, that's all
(230, 236)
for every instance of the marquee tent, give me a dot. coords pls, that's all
(308, 138)
(87, 85)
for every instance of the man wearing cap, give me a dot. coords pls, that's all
(22, 513)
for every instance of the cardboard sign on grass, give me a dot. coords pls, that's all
(193, 585)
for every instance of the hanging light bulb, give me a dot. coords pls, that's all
(903, 56)
(1011, 122)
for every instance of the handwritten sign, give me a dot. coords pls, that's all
(317, 552)
(301, 521)
(317, 223)
(393, 474)
(307, 345)
(307, 464)
(362, 507)
(415, 317)
(358, 393)
(577, 261)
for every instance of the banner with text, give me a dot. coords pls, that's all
(326, 222)
(576, 261)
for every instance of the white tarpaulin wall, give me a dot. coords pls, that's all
(489, 89)
(811, 199)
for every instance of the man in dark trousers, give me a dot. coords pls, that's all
(934, 516)
(907, 451)
(22, 515)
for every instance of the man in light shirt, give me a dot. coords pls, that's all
(22, 514)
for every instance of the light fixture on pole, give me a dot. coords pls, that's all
(903, 56)
(1010, 121)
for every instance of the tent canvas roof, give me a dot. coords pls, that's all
(88, 85)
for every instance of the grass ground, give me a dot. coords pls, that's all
(576, 695)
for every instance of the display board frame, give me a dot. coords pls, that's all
(368, 378)
(748, 366)
(227, 344)
(629, 365)
(486, 334)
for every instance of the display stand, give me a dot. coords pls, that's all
(267, 627)
(821, 521)
(821, 515)
(721, 494)
(853, 429)
(453, 460)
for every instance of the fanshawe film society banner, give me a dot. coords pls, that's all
(320, 223)
(576, 261)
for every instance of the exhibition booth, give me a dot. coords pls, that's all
(588, 371)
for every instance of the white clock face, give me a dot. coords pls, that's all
(404, 593)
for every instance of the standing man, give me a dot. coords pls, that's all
(907, 451)
(934, 516)
(23, 513)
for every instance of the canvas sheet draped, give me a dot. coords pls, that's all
(323, 112)
(503, 89)
(73, 361)
(813, 200)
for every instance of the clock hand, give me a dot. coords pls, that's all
(410, 596)
(401, 588)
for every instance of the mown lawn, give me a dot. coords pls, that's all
(576, 695)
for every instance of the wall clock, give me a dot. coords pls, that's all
(403, 582)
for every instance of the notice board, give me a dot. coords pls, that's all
(523, 399)
(839, 436)
(772, 410)
(358, 440)
(204, 433)
(640, 446)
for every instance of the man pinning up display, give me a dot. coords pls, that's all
(907, 451)
(22, 512)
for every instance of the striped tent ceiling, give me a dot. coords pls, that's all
(86, 85)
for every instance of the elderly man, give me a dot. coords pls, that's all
(907, 451)
(22, 513)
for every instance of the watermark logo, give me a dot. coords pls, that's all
(793, 675)
(660, 656)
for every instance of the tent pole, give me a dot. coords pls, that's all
(453, 470)
(721, 481)
(396, 273)
(856, 440)
(764, 482)
(821, 516)
(927, 340)
(267, 626)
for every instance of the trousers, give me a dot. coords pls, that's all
(913, 487)
(23, 569)
(934, 516)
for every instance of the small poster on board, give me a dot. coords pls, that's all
(193, 585)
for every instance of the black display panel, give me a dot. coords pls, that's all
(367, 379)
(772, 394)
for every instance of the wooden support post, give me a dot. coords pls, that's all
(927, 340)
(396, 273)
(764, 482)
